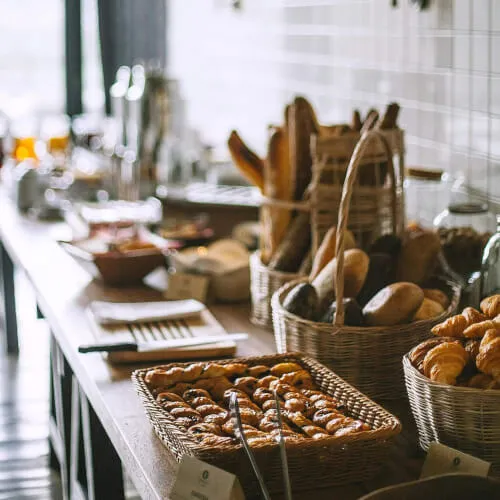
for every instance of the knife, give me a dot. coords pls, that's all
(161, 345)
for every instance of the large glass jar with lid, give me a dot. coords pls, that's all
(464, 229)
(427, 194)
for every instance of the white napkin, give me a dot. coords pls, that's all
(139, 312)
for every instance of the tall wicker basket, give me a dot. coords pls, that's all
(367, 357)
(461, 417)
(375, 197)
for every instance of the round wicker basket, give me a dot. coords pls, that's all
(461, 417)
(264, 282)
(367, 357)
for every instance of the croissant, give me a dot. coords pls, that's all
(417, 354)
(483, 381)
(477, 330)
(491, 306)
(455, 325)
(472, 347)
(445, 362)
(488, 359)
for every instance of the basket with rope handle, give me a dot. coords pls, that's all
(367, 357)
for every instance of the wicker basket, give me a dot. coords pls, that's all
(461, 417)
(264, 282)
(369, 358)
(376, 192)
(326, 462)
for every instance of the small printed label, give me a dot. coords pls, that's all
(197, 480)
(183, 286)
(442, 459)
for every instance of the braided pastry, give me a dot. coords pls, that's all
(445, 362)
(488, 359)
(491, 306)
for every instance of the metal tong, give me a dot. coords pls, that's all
(240, 434)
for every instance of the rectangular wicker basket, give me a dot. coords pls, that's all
(461, 417)
(326, 462)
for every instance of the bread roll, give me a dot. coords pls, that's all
(418, 257)
(380, 274)
(437, 296)
(353, 315)
(326, 251)
(394, 304)
(302, 300)
(429, 309)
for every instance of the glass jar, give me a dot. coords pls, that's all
(427, 193)
(464, 230)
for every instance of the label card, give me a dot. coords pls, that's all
(442, 459)
(183, 286)
(197, 480)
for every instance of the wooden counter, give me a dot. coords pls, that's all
(63, 290)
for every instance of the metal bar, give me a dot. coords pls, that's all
(7, 292)
(73, 56)
(281, 442)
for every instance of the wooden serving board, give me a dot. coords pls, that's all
(203, 325)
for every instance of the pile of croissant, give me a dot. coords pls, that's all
(466, 349)
(197, 398)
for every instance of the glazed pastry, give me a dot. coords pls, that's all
(281, 388)
(246, 384)
(478, 330)
(170, 405)
(228, 393)
(314, 431)
(246, 403)
(323, 416)
(455, 325)
(217, 418)
(418, 353)
(250, 417)
(295, 404)
(335, 424)
(191, 394)
(491, 306)
(261, 395)
(235, 369)
(352, 428)
(192, 372)
(445, 362)
(271, 404)
(213, 370)
(258, 370)
(206, 428)
(201, 401)
(210, 440)
(266, 381)
(282, 368)
(287, 433)
(483, 381)
(300, 378)
(320, 404)
(185, 412)
(229, 427)
(298, 419)
(210, 409)
(168, 396)
(216, 386)
(437, 296)
(186, 422)
(158, 378)
(488, 359)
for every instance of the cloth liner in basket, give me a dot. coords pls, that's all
(464, 418)
(312, 463)
(367, 357)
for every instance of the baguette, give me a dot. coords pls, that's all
(249, 164)
(294, 247)
(390, 118)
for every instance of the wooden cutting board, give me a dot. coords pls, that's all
(203, 325)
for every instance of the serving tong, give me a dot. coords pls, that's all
(234, 410)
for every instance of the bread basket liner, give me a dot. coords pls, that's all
(326, 462)
(464, 418)
(367, 357)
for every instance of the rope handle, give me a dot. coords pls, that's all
(347, 191)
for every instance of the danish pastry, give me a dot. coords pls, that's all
(213, 370)
(206, 428)
(246, 384)
(323, 416)
(168, 396)
(261, 395)
(300, 378)
(201, 401)
(314, 431)
(209, 409)
(235, 369)
(216, 418)
(271, 404)
(282, 368)
(192, 394)
(266, 381)
(257, 371)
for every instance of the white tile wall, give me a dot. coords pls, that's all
(238, 68)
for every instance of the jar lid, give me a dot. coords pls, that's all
(424, 173)
(468, 208)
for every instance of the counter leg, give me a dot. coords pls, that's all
(9, 301)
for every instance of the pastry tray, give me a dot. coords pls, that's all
(312, 463)
(203, 325)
